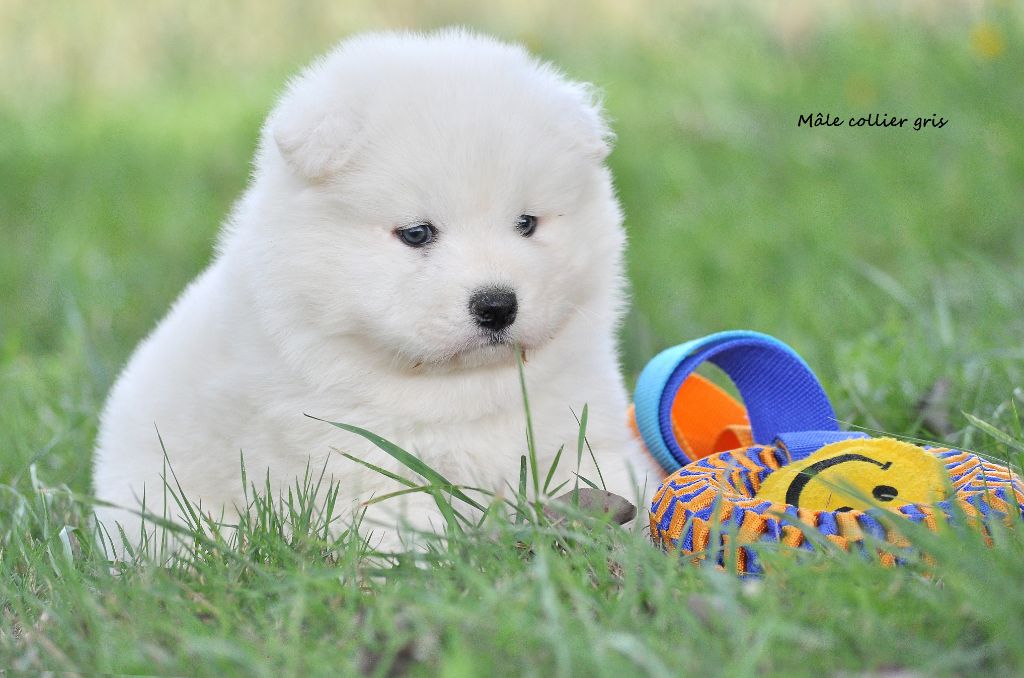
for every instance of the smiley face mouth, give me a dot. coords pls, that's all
(881, 492)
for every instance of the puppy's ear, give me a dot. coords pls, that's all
(598, 135)
(316, 142)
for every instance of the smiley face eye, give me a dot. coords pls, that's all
(526, 224)
(417, 235)
(885, 492)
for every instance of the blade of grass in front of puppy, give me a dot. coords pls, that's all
(184, 505)
(448, 511)
(531, 444)
(582, 421)
(429, 488)
(581, 438)
(521, 494)
(384, 472)
(554, 491)
(551, 470)
(586, 480)
(408, 460)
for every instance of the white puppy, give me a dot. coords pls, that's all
(419, 206)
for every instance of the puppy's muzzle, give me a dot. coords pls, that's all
(493, 308)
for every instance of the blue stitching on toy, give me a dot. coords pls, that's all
(870, 526)
(827, 523)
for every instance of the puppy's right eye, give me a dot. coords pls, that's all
(417, 235)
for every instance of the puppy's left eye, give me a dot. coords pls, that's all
(417, 235)
(526, 224)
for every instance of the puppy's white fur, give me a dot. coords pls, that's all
(313, 305)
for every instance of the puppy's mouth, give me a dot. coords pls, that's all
(484, 349)
(501, 338)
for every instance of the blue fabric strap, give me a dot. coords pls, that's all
(779, 390)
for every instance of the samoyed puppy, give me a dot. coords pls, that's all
(423, 210)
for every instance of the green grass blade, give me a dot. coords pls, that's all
(587, 481)
(408, 460)
(994, 432)
(521, 492)
(451, 516)
(553, 468)
(582, 422)
(377, 469)
(531, 441)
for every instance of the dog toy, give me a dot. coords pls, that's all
(780, 467)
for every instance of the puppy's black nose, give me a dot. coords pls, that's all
(493, 308)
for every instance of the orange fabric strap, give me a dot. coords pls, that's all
(705, 419)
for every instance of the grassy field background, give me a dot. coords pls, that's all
(891, 258)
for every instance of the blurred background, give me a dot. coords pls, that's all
(892, 259)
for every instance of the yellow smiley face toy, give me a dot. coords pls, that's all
(796, 470)
(859, 474)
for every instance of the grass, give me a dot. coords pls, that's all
(890, 258)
